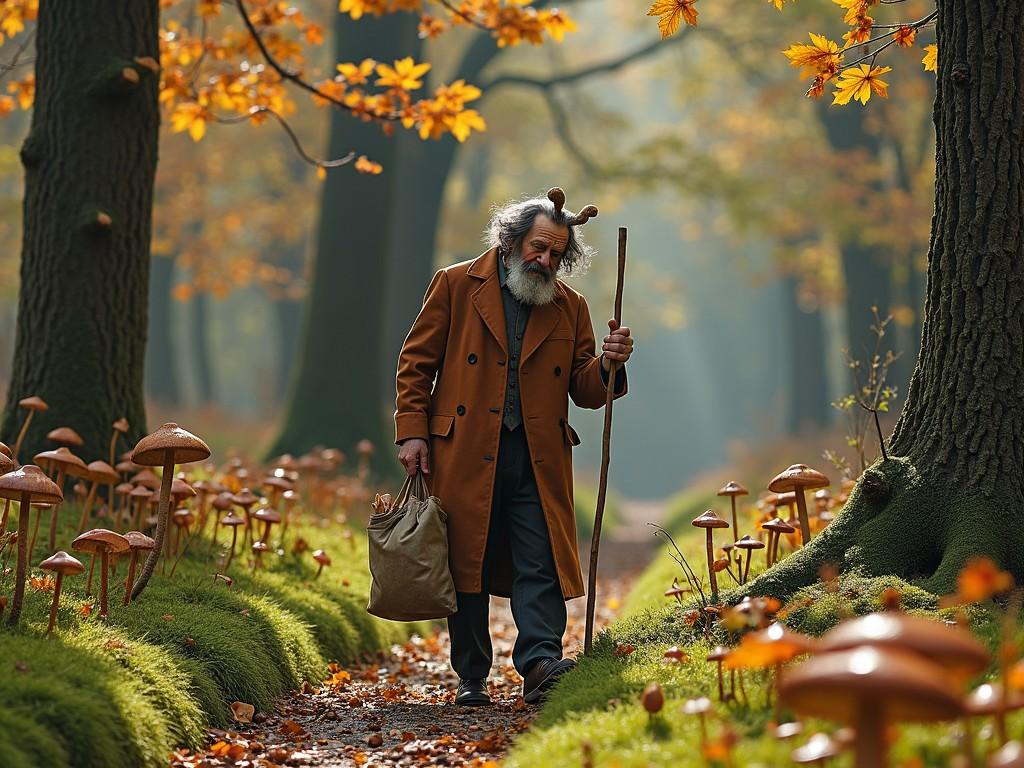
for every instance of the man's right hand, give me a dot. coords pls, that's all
(413, 453)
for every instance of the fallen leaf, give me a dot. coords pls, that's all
(242, 712)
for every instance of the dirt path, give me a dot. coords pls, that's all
(396, 710)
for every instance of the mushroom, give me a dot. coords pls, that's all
(322, 559)
(221, 503)
(748, 544)
(718, 655)
(699, 707)
(732, 489)
(30, 404)
(169, 445)
(258, 548)
(65, 436)
(124, 490)
(28, 485)
(139, 495)
(245, 499)
(148, 478)
(798, 478)
(138, 542)
(819, 748)
(652, 699)
(104, 543)
(66, 464)
(182, 519)
(675, 653)
(62, 564)
(6, 465)
(775, 527)
(234, 521)
(955, 650)
(268, 517)
(709, 521)
(100, 473)
(291, 498)
(120, 427)
(869, 687)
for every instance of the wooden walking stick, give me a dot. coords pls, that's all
(595, 542)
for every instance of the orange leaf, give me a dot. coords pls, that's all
(822, 56)
(904, 36)
(671, 12)
(242, 712)
(981, 579)
(859, 83)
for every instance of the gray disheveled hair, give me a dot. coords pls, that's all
(511, 221)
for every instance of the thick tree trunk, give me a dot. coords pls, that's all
(337, 396)
(809, 403)
(956, 485)
(200, 346)
(161, 378)
(90, 161)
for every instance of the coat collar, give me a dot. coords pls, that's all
(487, 300)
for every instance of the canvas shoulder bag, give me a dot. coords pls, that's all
(409, 557)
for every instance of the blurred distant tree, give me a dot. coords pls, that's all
(102, 71)
(952, 486)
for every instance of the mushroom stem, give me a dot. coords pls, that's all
(53, 605)
(3, 520)
(87, 507)
(711, 566)
(129, 582)
(104, 561)
(163, 510)
(735, 525)
(870, 749)
(231, 556)
(56, 509)
(805, 526)
(746, 569)
(773, 541)
(721, 688)
(321, 567)
(21, 434)
(19, 577)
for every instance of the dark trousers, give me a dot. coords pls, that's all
(537, 603)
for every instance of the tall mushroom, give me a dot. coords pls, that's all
(6, 465)
(870, 687)
(322, 559)
(748, 545)
(268, 517)
(100, 473)
(65, 436)
(63, 565)
(28, 485)
(732, 489)
(709, 521)
(100, 541)
(799, 478)
(67, 464)
(30, 404)
(775, 527)
(139, 542)
(167, 446)
(234, 521)
(245, 499)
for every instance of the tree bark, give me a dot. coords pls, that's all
(954, 485)
(337, 396)
(90, 154)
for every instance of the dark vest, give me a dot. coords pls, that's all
(516, 315)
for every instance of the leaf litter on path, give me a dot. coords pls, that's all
(397, 709)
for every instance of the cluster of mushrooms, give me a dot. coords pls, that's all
(157, 516)
(786, 490)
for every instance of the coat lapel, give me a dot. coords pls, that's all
(487, 298)
(542, 322)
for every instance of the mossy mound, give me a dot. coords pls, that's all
(128, 690)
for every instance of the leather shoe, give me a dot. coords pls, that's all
(472, 693)
(542, 675)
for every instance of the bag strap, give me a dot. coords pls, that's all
(403, 494)
(415, 485)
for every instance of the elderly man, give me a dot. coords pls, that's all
(484, 381)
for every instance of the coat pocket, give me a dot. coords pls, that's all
(440, 426)
(571, 438)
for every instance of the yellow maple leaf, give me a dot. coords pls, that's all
(855, 9)
(931, 58)
(822, 56)
(904, 35)
(405, 75)
(357, 74)
(859, 83)
(671, 12)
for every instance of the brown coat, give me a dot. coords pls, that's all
(460, 337)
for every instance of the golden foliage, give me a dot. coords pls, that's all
(859, 83)
(671, 12)
(931, 58)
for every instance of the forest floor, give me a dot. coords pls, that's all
(396, 709)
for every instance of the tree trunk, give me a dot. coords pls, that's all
(809, 403)
(90, 162)
(954, 486)
(200, 346)
(337, 396)
(161, 377)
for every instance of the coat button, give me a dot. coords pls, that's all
(501, 362)
(472, 359)
(558, 370)
(461, 410)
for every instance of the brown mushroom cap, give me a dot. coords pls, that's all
(139, 541)
(222, 501)
(779, 525)
(708, 519)
(62, 456)
(987, 699)
(282, 483)
(61, 562)
(748, 543)
(732, 488)
(718, 653)
(100, 540)
(904, 686)
(101, 472)
(321, 557)
(232, 520)
(260, 546)
(148, 478)
(33, 403)
(267, 515)
(245, 498)
(185, 447)
(121, 425)
(954, 649)
(6, 451)
(141, 491)
(797, 477)
(181, 490)
(41, 489)
(6, 463)
(65, 436)
(127, 466)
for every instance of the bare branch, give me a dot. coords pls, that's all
(291, 134)
(15, 62)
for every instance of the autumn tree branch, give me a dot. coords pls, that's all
(15, 62)
(291, 134)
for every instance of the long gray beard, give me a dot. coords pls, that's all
(527, 288)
